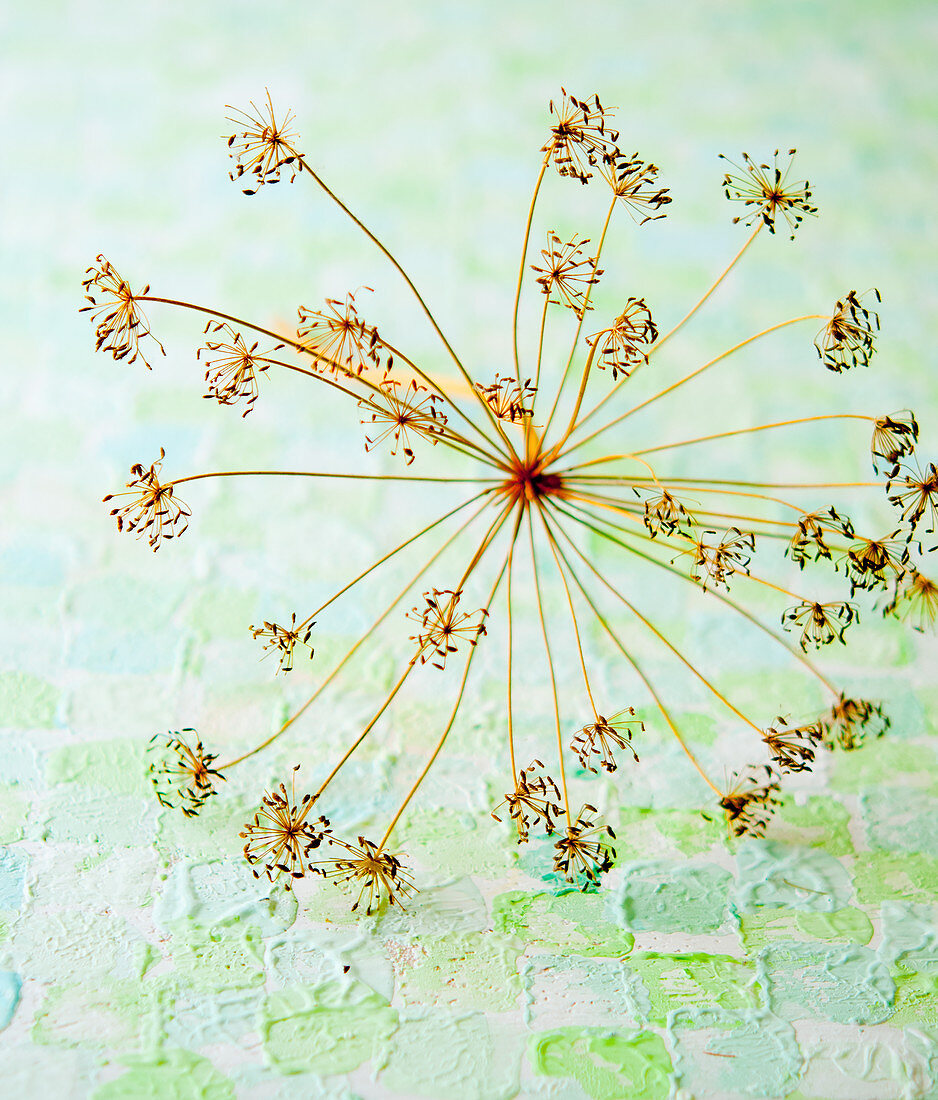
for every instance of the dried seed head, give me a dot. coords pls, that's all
(507, 399)
(534, 799)
(120, 323)
(232, 368)
(915, 601)
(338, 338)
(820, 623)
(279, 838)
(401, 417)
(283, 640)
(751, 800)
(792, 747)
(580, 139)
(633, 183)
(767, 191)
(567, 273)
(665, 514)
(810, 535)
(849, 337)
(154, 511)
(444, 627)
(850, 722)
(626, 344)
(718, 562)
(915, 494)
(602, 736)
(894, 437)
(584, 851)
(378, 875)
(262, 147)
(871, 563)
(182, 774)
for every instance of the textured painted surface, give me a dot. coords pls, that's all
(138, 958)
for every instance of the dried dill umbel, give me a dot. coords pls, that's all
(541, 468)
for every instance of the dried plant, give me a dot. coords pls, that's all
(545, 492)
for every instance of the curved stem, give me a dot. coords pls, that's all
(423, 305)
(311, 473)
(361, 641)
(524, 256)
(540, 351)
(553, 676)
(755, 428)
(682, 381)
(582, 317)
(452, 718)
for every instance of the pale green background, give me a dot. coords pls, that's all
(138, 957)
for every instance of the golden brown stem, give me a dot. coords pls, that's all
(756, 428)
(524, 256)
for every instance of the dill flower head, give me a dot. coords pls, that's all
(717, 563)
(182, 775)
(634, 184)
(605, 734)
(915, 601)
(820, 623)
(232, 368)
(508, 399)
(262, 147)
(915, 494)
(535, 798)
(444, 626)
(869, 563)
(792, 747)
(850, 722)
(283, 640)
(894, 437)
(579, 139)
(154, 510)
(567, 273)
(279, 838)
(849, 337)
(664, 514)
(751, 800)
(625, 343)
(401, 415)
(120, 323)
(338, 337)
(584, 851)
(768, 192)
(810, 532)
(379, 875)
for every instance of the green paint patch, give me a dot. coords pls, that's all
(218, 958)
(846, 984)
(475, 970)
(173, 1073)
(665, 897)
(843, 924)
(693, 981)
(444, 838)
(641, 830)
(853, 771)
(783, 875)
(901, 876)
(607, 1065)
(12, 815)
(222, 612)
(821, 822)
(117, 766)
(900, 819)
(333, 1027)
(123, 1016)
(572, 923)
(439, 1054)
(26, 702)
(766, 925)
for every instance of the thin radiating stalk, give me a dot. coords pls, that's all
(748, 431)
(553, 676)
(328, 474)
(604, 622)
(361, 641)
(722, 357)
(455, 711)
(524, 256)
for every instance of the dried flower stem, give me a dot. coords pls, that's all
(749, 431)
(521, 270)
